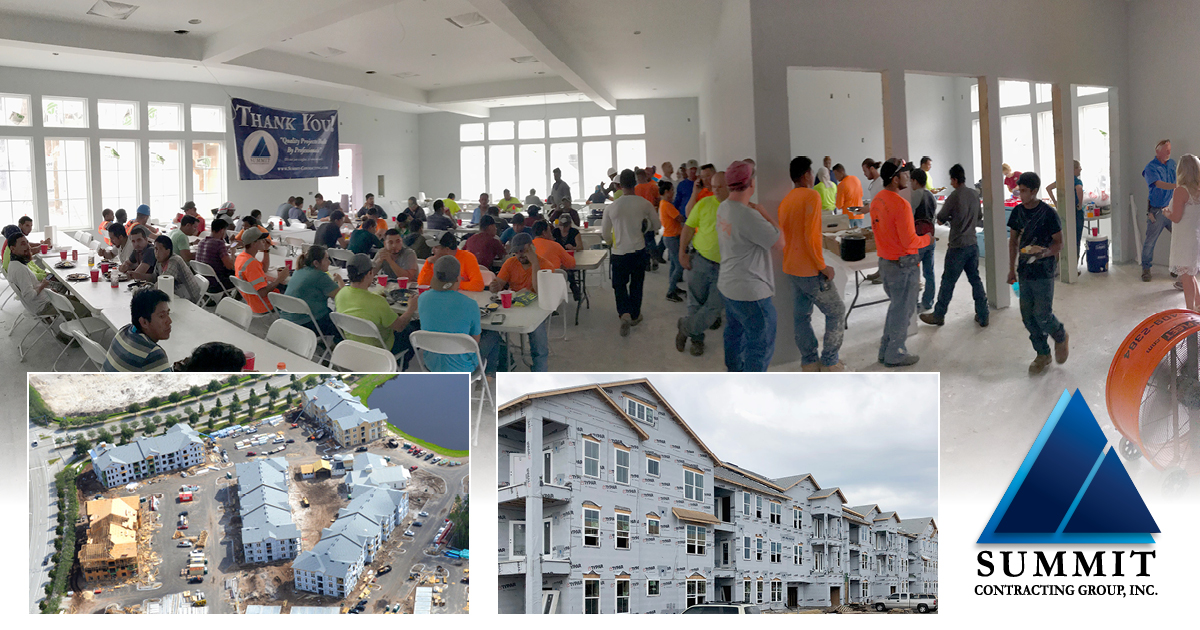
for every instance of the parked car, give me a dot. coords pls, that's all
(361, 449)
(35, 443)
(294, 425)
(46, 561)
(423, 513)
(183, 513)
(428, 457)
(183, 522)
(185, 543)
(291, 441)
(410, 533)
(411, 468)
(722, 609)
(251, 454)
(385, 569)
(417, 524)
(921, 602)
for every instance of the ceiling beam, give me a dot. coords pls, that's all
(521, 21)
(501, 89)
(35, 32)
(269, 27)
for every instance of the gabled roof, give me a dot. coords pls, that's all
(731, 474)
(865, 510)
(342, 407)
(787, 483)
(571, 390)
(175, 439)
(917, 525)
(377, 504)
(885, 516)
(828, 492)
(854, 516)
(270, 472)
(355, 526)
(332, 555)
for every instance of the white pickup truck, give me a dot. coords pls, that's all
(921, 602)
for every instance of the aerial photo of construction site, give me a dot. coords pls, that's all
(249, 493)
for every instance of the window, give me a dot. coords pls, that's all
(472, 170)
(16, 179)
(631, 153)
(501, 130)
(64, 112)
(866, 588)
(696, 536)
(67, 191)
(14, 111)
(818, 562)
(470, 132)
(758, 546)
(1090, 90)
(546, 538)
(1014, 93)
(563, 128)
(652, 526)
(622, 595)
(975, 97)
(776, 591)
(776, 552)
(745, 547)
(976, 157)
(531, 129)
(757, 507)
(1046, 156)
(208, 174)
(117, 114)
(591, 458)
(119, 171)
(208, 118)
(597, 159)
(693, 485)
(547, 466)
(597, 126)
(798, 554)
(164, 117)
(516, 534)
(697, 589)
(622, 464)
(591, 596)
(797, 517)
(565, 157)
(746, 587)
(1043, 93)
(1017, 141)
(1095, 153)
(652, 588)
(622, 531)
(631, 124)
(652, 464)
(502, 171)
(760, 591)
(531, 169)
(862, 561)
(746, 503)
(591, 527)
(777, 513)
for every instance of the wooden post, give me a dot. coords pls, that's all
(995, 229)
(1065, 124)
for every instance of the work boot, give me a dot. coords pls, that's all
(681, 291)
(1039, 364)
(810, 367)
(716, 324)
(836, 367)
(1145, 275)
(1061, 351)
(674, 297)
(680, 336)
(904, 360)
(932, 319)
(658, 258)
(635, 321)
(697, 347)
(625, 323)
(982, 321)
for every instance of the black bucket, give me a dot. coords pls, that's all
(854, 248)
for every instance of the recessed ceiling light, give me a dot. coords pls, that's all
(370, 72)
(539, 72)
(181, 32)
(637, 32)
(525, 59)
(647, 67)
(433, 54)
(467, 20)
(113, 10)
(193, 21)
(326, 52)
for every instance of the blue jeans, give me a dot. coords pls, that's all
(401, 347)
(817, 291)
(926, 257)
(539, 347)
(676, 274)
(958, 260)
(1155, 223)
(749, 335)
(490, 345)
(900, 284)
(1079, 219)
(857, 223)
(705, 303)
(1037, 311)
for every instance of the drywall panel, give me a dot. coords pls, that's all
(935, 127)
(727, 94)
(837, 113)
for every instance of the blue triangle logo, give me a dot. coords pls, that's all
(1071, 488)
(261, 151)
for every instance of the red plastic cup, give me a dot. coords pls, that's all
(402, 282)
(506, 298)
(460, 222)
(75, 254)
(95, 275)
(382, 279)
(104, 268)
(45, 248)
(249, 367)
(571, 252)
(421, 288)
(585, 224)
(63, 254)
(288, 263)
(1095, 231)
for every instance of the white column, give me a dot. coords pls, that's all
(1065, 124)
(895, 115)
(996, 232)
(533, 515)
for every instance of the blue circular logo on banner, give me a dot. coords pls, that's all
(260, 152)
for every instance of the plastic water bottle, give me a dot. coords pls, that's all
(1016, 289)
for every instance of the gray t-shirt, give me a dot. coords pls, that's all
(746, 238)
(963, 212)
(407, 259)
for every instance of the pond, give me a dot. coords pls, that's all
(432, 407)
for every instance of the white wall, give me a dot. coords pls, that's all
(388, 138)
(727, 96)
(836, 113)
(672, 132)
(939, 123)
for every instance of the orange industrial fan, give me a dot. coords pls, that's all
(1153, 395)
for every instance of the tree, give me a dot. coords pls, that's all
(292, 377)
(170, 421)
(236, 399)
(154, 401)
(231, 412)
(216, 403)
(81, 446)
(214, 412)
(195, 390)
(200, 408)
(252, 401)
(193, 417)
(133, 408)
(212, 421)
(272, 393)
(289, 399)
(175, 397)
(126, 434)
(104, 436)
(151, 424)
(459, 516)
(213, 386)
(232, 380)
(91, 434)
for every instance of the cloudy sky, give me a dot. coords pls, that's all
(873, 435)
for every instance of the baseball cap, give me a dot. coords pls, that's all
(448, 240)
(252, 235)
(486, 221)
(888, 171)
(228, 205)
(739, 174)
(189, 205)
(693, 164)
(519, 241)
(445, 272)
(360, 265)
(611, 171)
(143, 210)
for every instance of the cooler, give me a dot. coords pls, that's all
(1097, 254)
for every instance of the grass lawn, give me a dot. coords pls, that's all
(427, 445)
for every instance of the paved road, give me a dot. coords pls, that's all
(43, 514)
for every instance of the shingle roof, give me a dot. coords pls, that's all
(261, 472)
(733, 474)
(263, 500)
(175, 439)
(332, 555)
(355, 526)
(865, 510)
(828, 492)
(916, 525)
(342, 407)
(787, 482)
(377, 504)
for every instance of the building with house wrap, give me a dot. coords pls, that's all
(632, 512)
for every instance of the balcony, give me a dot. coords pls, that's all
(725, 526)
(556, 566)
(514, 496)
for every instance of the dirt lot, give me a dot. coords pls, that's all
(75, 393)
(324, 501)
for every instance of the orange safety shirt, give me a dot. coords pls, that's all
(800, 221)
(893, 223)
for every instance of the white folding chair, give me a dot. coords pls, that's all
(248, 289)
(296, 306)
(293, 337)
(46, 320)
(294, 243)
(81, 236)
(357, 326)
(238, 313)
(453, 343)
(353, 356)
(94, 351)
(86, 325)
(206, 270)
(337, 253)
(487, 274)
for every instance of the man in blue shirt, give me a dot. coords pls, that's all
(683, 190)
(285, 209)
(1160, 177)
(443, 309)
(518, 226)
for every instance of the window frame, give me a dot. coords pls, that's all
(746, 547)
(690, 490)
(628, 594)
(776, 513)
(512, 540)
(162, 104)
(586, 597)
(653, 526)
(657, 587)
(758, 548)
(798, 554)
(87, 121)
(134, 107)
(591, 442)
(33, 201)
(656, 463)
(192, 107)
(694, 596)
(617, 467)
(87, 170)
(696, 538)
(776, 591)
(617, 531)
(596, 529)
(745, 503)
(27, 121)
(758, 501)
(797, 517)
(116, 201)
